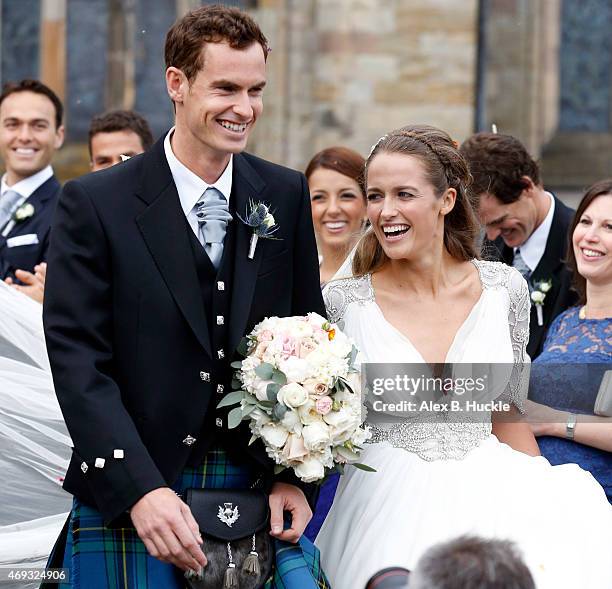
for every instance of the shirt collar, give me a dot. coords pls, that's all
(190, 186)
(28, 185)
(533, 249)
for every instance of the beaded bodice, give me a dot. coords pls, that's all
(496, 331)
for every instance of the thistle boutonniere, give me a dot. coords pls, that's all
(259, 218)
(24, 212)
(538, 294)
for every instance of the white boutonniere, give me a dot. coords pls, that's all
(538, 295)
(261, 220)
(24, 212)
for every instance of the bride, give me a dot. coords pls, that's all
(420, 295)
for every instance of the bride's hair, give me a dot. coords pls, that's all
(445, 168)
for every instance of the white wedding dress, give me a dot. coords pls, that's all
(436, 481)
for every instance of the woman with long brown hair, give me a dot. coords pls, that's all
(338, 203)
(442, 339)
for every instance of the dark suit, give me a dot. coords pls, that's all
(551, 267)
(129, 336)
(25, 257)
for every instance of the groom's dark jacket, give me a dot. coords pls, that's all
(131, 320)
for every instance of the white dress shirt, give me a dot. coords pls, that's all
(533, 249)
(28, 185)
(191, 187)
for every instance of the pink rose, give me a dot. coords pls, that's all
(306, 347)
(294, 448)
(320, 389)
(324, 405)
(261, 349)
(265, 336)
(289, 347)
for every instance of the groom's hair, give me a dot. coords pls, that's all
(470, 561)
(209, 24)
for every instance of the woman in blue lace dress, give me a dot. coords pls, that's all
(567, 380)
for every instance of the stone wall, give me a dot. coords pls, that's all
(347, 71)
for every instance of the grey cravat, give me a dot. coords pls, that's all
(213, 216)
(8, 203)
(521, 266)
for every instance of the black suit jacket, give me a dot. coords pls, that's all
(551, 267)
(25, 257)
(125, 323)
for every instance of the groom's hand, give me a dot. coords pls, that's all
(168, 529)
(285, 497)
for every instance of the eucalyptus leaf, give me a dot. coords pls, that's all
(267, 404)
(363, 467)
(234, 417)
(243, 347)
(278, 468)
(279, 377)
(353, 355)
(264, 370)
(231, 399)
(237, 364)
(272, 390)
(247, 410)
(279, 411)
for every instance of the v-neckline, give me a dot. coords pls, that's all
(459, 329)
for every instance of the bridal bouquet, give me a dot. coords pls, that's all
(300, 391)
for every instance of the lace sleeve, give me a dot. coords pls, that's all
(338, 294)
(518, 323)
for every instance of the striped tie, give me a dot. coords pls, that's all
(213, 216)
(521, 266)
(8, 204)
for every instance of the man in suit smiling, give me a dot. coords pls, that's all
(526, 226)
(150, 289)
(30, 132)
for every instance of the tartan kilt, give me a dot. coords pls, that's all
(104, 558)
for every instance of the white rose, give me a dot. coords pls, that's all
(269, 220)
(343, 423)
(274, 435)
(292, 395)
(24, 212)
(310, 470)
(295, 369)
(260, 390)
(537, 297)
(545, 286)
(316, 436)
(291, 422)
(308, 413)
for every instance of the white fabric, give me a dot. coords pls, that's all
(559, 516)
(34, 443)
(191, 187)
(18, 240)
(533, 249)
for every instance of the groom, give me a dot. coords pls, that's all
(151, 287)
